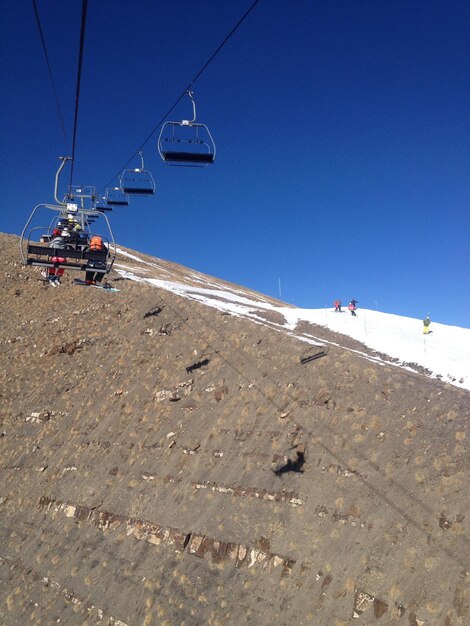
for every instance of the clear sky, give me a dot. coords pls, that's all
(342, 132)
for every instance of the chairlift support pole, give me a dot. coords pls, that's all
(56, 185)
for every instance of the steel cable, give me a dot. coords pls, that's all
(79, 76)
(43, 41)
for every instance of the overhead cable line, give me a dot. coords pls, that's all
(187, 88)
(79, 76)
(43, 41)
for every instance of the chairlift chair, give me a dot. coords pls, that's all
(138, 181)
(35, 240)
(186, 143)
(115, 196)
(100, 204)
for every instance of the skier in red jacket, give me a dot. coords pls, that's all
(352, 307)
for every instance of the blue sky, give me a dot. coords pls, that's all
(342, 132)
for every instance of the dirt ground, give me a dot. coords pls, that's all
(162, 462)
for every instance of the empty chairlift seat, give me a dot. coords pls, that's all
(138, 181)
(186, 143)
(115, 196)
(101, 204)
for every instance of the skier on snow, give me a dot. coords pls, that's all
(426, 325)
(352, 306)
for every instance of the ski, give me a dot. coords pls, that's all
(83, 283)
(105, 288)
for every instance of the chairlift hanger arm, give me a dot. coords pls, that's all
(22, 236)
(56, 185)
(190, 94)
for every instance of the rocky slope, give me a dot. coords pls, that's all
(162, 462)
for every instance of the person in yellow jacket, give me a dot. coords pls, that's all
(426, 325)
